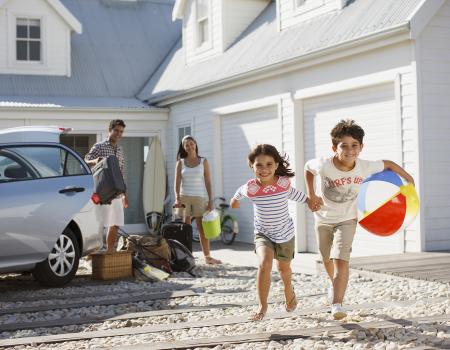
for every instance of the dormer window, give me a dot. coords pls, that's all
(203, 22)
(28, 40)
(303, 6)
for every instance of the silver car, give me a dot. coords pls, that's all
(47, 218)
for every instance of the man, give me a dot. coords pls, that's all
(112, 215)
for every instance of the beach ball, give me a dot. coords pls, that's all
(386, 204)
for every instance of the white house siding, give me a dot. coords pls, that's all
(200, 110)
(55, 36)
(288, 15)
(374, 108)
(434, 105)
(192, 52)
(240, 132)
(237, 15)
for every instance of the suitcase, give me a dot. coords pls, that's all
(179, 231)
(108, 180)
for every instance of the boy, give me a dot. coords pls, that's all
(335, 220)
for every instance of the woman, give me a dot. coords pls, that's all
(193, 188)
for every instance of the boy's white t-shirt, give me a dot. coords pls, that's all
(339, 189)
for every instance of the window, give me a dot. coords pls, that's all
(42, 161)
(28, 39)
(183, 131)
(202, 22)
(12, 168)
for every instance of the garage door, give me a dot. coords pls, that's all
(240, 133)
(375, 110)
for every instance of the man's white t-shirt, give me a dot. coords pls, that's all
(339, 189)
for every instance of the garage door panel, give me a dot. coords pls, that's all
(375, 110)
(240, 133)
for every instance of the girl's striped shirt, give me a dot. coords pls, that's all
(270, 207)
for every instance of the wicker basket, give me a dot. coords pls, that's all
(109, 266)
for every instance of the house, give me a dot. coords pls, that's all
(284, 72)
(79, 64)
(246, 72)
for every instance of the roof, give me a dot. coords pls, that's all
(122, 44)
(262, 46)
(72, 102)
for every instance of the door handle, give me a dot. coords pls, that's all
(72, 189)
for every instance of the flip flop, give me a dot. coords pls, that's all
(257, 316)
(292, 304)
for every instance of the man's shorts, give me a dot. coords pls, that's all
(112, 214)
(195, 206)
(282, 251)
(335, 240)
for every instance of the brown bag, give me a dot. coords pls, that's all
(152, 249)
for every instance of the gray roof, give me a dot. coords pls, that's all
(122, 44)
(261, 45)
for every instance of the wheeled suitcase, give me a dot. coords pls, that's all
(179, 231)
(108, 180)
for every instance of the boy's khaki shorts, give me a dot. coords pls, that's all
(282, 251)
(335, 240)
(195, 206)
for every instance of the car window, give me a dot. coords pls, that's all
(12, 169)
(73, 165)
(50, 161)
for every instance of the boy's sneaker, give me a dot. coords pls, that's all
(338, 312)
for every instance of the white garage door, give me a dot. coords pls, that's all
(375, 110)
(240, 133)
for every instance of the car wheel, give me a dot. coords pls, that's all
(62, 262)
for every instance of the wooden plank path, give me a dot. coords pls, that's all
(286, 335)
(115, 301)
(429, 266)
(160, 312)
(199, 324)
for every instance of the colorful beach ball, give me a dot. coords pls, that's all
(386, 204)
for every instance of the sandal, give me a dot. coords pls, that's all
(292, 304)
(211, 261)
(257, 316)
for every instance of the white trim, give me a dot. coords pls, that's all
(422, 15)
(418, 116)
(66, 15)
(278, 13)
(399, 147)
(178, 10)
(207, 45)
(33, 113)
(68, 53)
(249, 105)
(25, 67)
(351, 84)
(299, 154)
(329, 54)
(217, 154)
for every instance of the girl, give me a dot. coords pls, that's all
(274, 229)
(193, 188)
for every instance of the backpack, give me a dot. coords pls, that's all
(182, 259)
(152, 249)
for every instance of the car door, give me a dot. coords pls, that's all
(42, 187)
